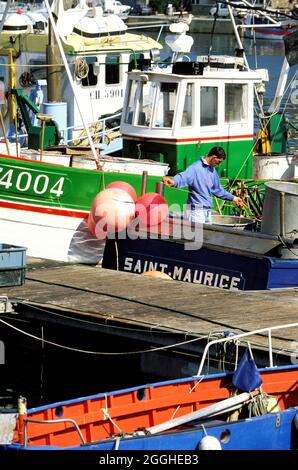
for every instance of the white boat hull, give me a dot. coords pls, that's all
(49, 236)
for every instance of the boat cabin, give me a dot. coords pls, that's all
(99, 51)
(177, 117)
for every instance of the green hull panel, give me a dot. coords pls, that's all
(27, 182)
(238, 164)
(30, 182)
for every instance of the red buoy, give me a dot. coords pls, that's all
(151, 209)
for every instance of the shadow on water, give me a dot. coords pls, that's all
(44, 373)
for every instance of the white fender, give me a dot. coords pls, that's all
(209, 443)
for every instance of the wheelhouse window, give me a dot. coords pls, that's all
(209, 106)
(235, 102)
(145, 103)
(112, 69)
(37, 69)
(131, 102)
(166, 105)
(90, 78)
(187, 114)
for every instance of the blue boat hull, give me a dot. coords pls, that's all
(276, 431)
(203, 266)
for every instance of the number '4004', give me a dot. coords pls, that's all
(39, 184)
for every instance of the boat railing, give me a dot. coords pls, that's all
(161, 26)
(102, 130)
(99, 136)
(51, 421)
(236, 337)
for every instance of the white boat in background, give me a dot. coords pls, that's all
(262, 27)
(52, 222)
(99, 52)
(261, 21)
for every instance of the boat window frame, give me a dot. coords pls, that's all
(245, 107)
(156, 103)
(119, 55)
(142, 82)
(183, 88)
(130, 81)
(217, 86)
(92, 62)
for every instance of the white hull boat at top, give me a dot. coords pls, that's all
(99, 52)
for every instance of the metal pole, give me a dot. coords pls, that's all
(54, 71)
(91, 143)
(16, 133)
(4, 131)
(282, 213)
(42, 138)
(270, 348)
(144, 182)
(240, 45)
(159, 188)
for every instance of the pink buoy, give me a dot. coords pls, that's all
(151, 209)
(125, 187)
(97, 230)
(112, 210)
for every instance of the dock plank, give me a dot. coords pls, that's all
(193, 309)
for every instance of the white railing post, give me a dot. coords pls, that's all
(270, 348)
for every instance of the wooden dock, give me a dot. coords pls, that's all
(146, 304)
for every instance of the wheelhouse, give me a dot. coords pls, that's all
(176, 117)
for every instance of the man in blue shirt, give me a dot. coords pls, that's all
(203, 182)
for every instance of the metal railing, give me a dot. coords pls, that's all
(102, 133)
(51, 421)
(233, 337)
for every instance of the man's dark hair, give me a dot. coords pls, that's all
(218, 152)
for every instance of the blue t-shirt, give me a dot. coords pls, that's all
(203, 182)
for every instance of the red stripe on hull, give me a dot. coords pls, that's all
(274, 32)
(44, 210)
(191, 139)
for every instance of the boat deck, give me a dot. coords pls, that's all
(105, 297)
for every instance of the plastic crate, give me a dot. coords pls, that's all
(12, 265)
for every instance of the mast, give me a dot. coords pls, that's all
(240, 45)
(54, 70)
(58, 40)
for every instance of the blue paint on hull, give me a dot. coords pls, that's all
(274, 431)
(204, 266)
